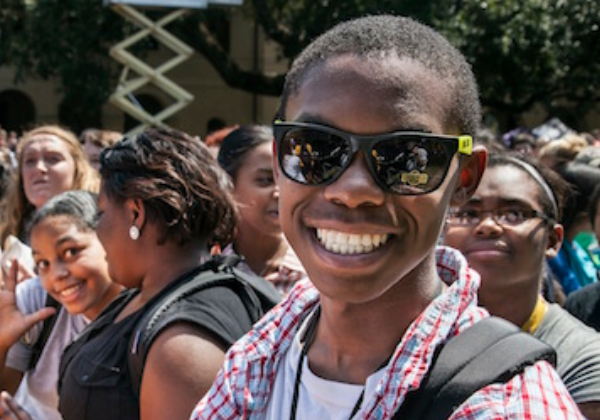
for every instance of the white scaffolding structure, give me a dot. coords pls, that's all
(144, 74)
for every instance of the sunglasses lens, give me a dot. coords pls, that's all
(412, 166)
(312, 157)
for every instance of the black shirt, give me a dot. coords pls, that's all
(94, 379)
(584, 304)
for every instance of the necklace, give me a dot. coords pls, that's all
(308, 337)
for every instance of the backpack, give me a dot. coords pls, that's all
(491, 351)
(257, 295)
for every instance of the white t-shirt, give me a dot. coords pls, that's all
(38, 392)
(318, 398)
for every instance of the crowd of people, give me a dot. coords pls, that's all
(374, 264)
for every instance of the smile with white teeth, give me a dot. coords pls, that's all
(347, 243)
(70, 290)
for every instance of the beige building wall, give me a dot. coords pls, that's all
(212, 97)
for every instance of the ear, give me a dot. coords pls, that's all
(137, 212)
(555, 240)
(471, 172)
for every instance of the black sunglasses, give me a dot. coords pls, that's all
(406, 163)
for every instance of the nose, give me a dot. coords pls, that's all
(58, 271)
(40, 165)
(488, 226)
(356, 186)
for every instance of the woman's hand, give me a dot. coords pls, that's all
(10, 409)
(13, 324)
(285, 278)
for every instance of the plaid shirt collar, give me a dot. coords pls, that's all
(255, 358)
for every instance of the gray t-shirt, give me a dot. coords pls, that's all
(578, 351)
(37, 392)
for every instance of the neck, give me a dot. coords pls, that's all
(262, 253)
(111, 292)
(352, 341)
(168, 263)
(513, 304)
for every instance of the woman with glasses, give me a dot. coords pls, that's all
(507, 230)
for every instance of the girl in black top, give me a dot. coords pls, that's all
(163, 200)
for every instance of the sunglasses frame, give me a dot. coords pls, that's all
(463, 144)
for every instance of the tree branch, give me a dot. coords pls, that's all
(270, 24)
(199, 37)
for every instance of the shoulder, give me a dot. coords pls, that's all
(538, 389)
(559, 327)
(180, 367)
(588, 296)
(217, 309)
(584, 304)
(185, 346)
(578, 351)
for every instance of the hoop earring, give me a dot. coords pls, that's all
(134, 233)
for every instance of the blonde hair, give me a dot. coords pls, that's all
(15, 208)
(562, 150)
(100, 138)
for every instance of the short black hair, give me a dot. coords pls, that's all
(238, 143)
(382, 35)
(583, 178)
(215, 124)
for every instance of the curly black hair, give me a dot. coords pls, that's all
(183, 189)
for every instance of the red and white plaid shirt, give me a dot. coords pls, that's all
(242, 388)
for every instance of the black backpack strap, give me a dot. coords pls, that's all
(257, 295)
(47, 328)
(267, 294)
(492, 351)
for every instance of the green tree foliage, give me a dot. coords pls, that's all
(67, 40)
(528, 52)
(12, 18)
(292, 25)
(523, 51)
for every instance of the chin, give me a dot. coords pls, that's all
(349, 287)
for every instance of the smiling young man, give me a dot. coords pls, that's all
(365, 222)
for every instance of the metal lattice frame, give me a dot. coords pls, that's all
(147, 74)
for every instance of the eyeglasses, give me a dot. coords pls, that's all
(502, 217)
(406, 163)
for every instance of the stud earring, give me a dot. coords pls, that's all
(134, 233)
